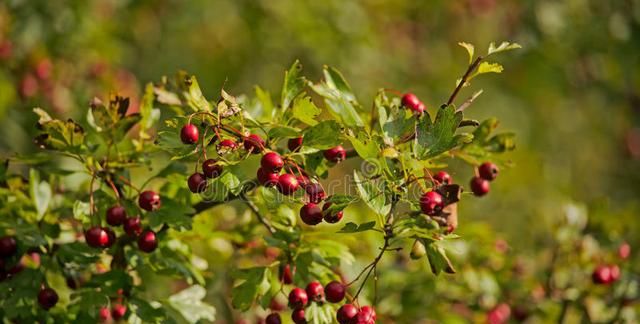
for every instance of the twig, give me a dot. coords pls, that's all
(466, 75)
(256, 211)
(469, 101)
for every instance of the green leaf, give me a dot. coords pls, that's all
(146, 312)
(191, 92)
(485, 129)
(306, 111)
(173, 213)
(501, 143)
(283, 131)
(351, 227)
(470, 49)
(231, 181)
(322, 136)
(189, 304)
(81, 212)
(4, 166)
(58, 135)
(338, 97)
(371, 194)
(486, 67)
(265, 103)
(253, 282)
(339, 202)
(365, 146)
(40, 193)
(504, 46)
(77, 254)
(293, 84)
(435, 138)
(438, 259)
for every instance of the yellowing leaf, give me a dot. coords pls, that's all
(504, 46)
(470, 49)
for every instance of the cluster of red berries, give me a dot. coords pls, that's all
(487, 172)
(411, 101)
(104, 237)
(197, 182)
(605, 274)
(117, 311)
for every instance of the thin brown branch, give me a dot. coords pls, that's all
(466, 75)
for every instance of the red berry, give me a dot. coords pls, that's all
(311, 214)
(47, 298)
(366, 315)
(133, 226)
(336, 154)
(253, 143)
(189, 134)
(149, 200)
(272, 162)
(197, 183)
(479, 186)
(315, 192)
(273, 318)
(287, 184)
(334, 292)
(104, 314)
(410, 101)
(266, 178)
(431, 203)
(303, 180)
(614, 271)
(276, 305)
(8, 246)
(118, 311)
(298, 298)
(211, 168)
(624, 251)
(147, 241)
(331, 217)
(488, 171)
(420, 108)
(226, 146)
(286, 274)
(43, 69)
(111, 235)
(116, 215)
(347, 314)
(315, 291)
(499, 314)
(442, 177)
(96, 237)
(297, 316)
(294, 144)
(601, 275)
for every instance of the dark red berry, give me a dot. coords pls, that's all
(272, 162)
(297, 316)
(315, 192)
(273, 318)
(189, 134)
(286, 274)
(442, 177)
(336, 154)
(104, 314)
(267, 178)
(211, 168)
(133, 226)
(431, 203)
(197, 183)
(276, 305)
(298, 298)
(499, 314)
(479, 186)
(420, 108)
(116, 215)
(287, 184)
(624, 250)
(47, 298)
(149, 200)
(253, 143)
(226, 146)
(315, 291)
(303, 180)
(488, 171)
(331, 217)
(410, 101)
(614, 271)
(334, 292)
(294, 144)
(347, 314)
(111, 235)
(8, 246)
(96, 237)
(147, 241)
(118, 311)
(366, 315)
(601, 275)
(311, 214)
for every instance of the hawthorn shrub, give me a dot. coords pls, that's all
(90, 252)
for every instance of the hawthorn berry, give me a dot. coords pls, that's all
(347, 314)
(111, 237)
(294, 144)
(47, 298)
(272, 162)
(149, 200)
(147, 241)
(420, 108)
(226, 146)
(488, 171)
(311, 214)
(273, 318)
(315, 291)
(104, 314)
(334, 292)
(442, 177)
(624, 250)
(118, 311)
(336, 154)
(331, 217)
(267, 178)
(499, 314)
(253, 143)
(601, 275)
(287, 184)
(8, 246)
(133, 226)
(303, 180)
(286, 274)
(116, 215)
(431, 203)
(410, 101)
(366, 315)
(189, 134)
(96, 237)
(297, 316)
(298, 298)
(315, 192)
(614, 271)
(276, 305)
(211, 168)
(479, 186)
(197, 182)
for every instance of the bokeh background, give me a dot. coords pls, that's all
(572, 94)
